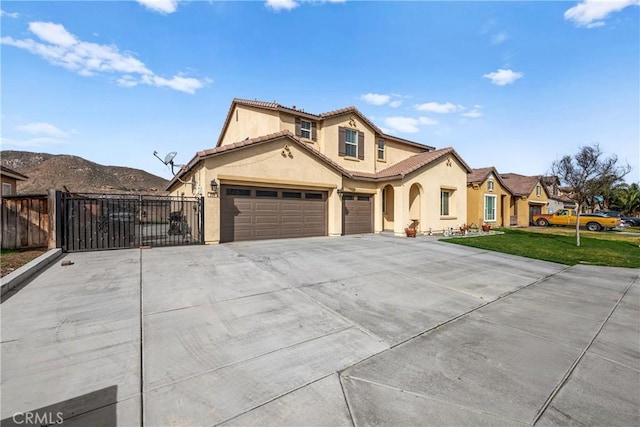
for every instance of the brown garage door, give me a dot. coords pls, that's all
(252, 213)
(357, 213)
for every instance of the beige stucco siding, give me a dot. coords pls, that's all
(265, 165)
(248, 122)
(442, 175)
(330, 143)
(394, 153)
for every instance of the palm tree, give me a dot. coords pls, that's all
(626, 198)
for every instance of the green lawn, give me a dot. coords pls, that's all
(559, 245)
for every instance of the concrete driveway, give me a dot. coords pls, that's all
(364, 330)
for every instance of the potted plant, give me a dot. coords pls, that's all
(411, 231)
(464, 228)
(486, 227)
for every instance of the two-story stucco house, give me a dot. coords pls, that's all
(280, 172)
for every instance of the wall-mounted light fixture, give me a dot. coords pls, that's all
(340, 192)
(214, 189)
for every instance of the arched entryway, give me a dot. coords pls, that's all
(387, 207)
(414, 205)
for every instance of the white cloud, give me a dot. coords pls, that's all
(42, 128)
(402, 124)
(500, 37)
(394, 100)
(407, 124)
(592, 13)
(9, 14)
(427, 121)
(161, 6)
(375, 98)
(52, 33)
(183, 84)
(278, 5)
(473, 114)
(85, 58)
(503, 77)
(434, 107)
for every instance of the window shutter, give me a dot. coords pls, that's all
(342, 149)
(297, 126)
(314, 131)
(361, 145)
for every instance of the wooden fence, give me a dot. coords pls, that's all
(25, 221)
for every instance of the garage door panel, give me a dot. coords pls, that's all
(246, 216)
(266, 220)
(267, 233)
(292, 220)
(357, 214)
(293, 232)
(261, 206)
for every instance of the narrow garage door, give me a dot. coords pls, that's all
(534, 210)
(357, 213)
(251, 213)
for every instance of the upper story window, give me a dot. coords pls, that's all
(381, 149)
(490, 185)
(538, 190)
(351, 143)
(306, 129)
(6, 189)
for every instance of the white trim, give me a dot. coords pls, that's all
(495, 208)
(302, 129)
(350, 143)
(383, 149)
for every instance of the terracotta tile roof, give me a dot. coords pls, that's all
(204, 154)
(520, 185)
(411, 164)
(477, 176)
(274, 106)
(398, 170)
(353, 110)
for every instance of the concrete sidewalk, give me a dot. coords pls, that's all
(363, 330)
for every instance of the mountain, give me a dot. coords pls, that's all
(50, 171)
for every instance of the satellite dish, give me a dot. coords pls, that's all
(168, 159)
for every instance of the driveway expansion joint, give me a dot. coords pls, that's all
(572, 368)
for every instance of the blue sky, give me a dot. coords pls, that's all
(513, 85)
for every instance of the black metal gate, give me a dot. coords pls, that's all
(93, 222)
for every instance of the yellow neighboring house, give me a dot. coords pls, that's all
(279, 172)
(489, 201)
(529, 197)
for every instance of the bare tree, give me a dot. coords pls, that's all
(588, 175)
